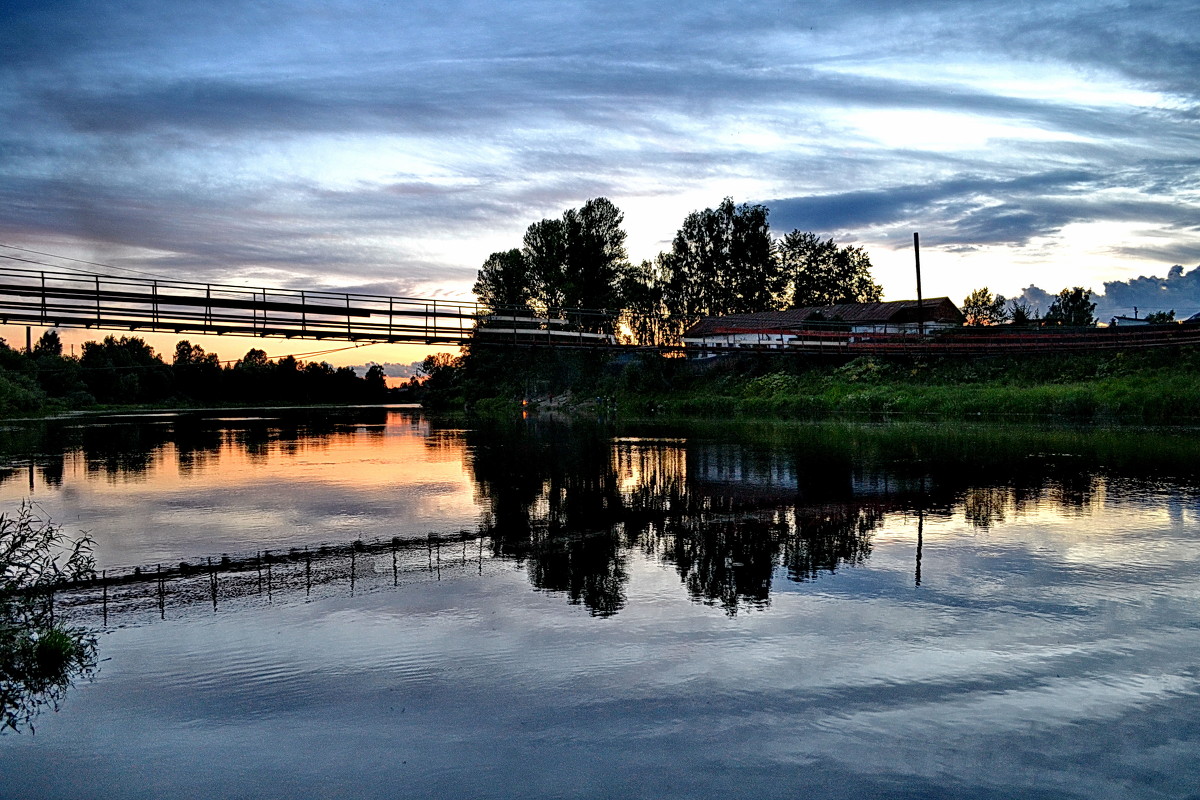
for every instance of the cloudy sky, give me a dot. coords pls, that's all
(390, 147)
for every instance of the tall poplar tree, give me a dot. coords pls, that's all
(819, 273)
(722, 261)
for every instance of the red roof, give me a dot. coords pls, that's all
(896, 312)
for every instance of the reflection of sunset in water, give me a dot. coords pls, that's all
(244, 483)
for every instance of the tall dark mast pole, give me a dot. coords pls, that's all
(920, 302)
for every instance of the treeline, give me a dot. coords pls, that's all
(722, 260)
(127, 371)
(1070, 307)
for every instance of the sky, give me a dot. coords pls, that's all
(391, 147)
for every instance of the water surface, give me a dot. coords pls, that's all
(598, 609)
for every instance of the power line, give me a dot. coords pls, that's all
(76, 260)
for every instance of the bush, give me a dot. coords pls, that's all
(39, 655)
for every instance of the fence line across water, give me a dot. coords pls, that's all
(356, 566)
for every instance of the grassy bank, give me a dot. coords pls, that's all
(1154, 388)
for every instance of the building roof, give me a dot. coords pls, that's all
(896, 312)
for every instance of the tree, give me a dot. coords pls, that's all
(981, 307)
(1161, 317)
(819, 273)
(722, 261)
(1072, 307)
(197, 373)
(596, 260)
(443, 374)
(576, 262)
(504, 284)
(254, 360)
(1020, 312)
(375, 381)
(124, 370)
(48, 345)
(545, 252)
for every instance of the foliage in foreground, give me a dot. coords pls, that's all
(40, 656)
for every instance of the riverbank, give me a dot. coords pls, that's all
(1160, 387)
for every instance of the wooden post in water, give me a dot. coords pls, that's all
(212, 583)
(920, 538)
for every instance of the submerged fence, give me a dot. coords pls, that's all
(353, 567)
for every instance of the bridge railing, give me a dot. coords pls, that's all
(72, 299)
(42, 297)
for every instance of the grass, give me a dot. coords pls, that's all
(1142, 388)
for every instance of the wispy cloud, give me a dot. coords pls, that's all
(397, 145)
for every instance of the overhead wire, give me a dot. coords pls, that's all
(70, 258)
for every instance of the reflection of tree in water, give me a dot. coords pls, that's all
(728, 513)
(570, 504)
(551, 503)
(126, 449)
(732, 562)
(827, 538)
(40, 656)
(724, 562)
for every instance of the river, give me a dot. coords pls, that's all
(371, 602)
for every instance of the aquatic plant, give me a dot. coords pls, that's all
(40, 656)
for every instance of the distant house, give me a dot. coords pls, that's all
(1125, 322)
(820, 326)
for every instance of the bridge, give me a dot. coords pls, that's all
(56, 297)
(30, 296)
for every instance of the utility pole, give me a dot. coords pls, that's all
(920, 302)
